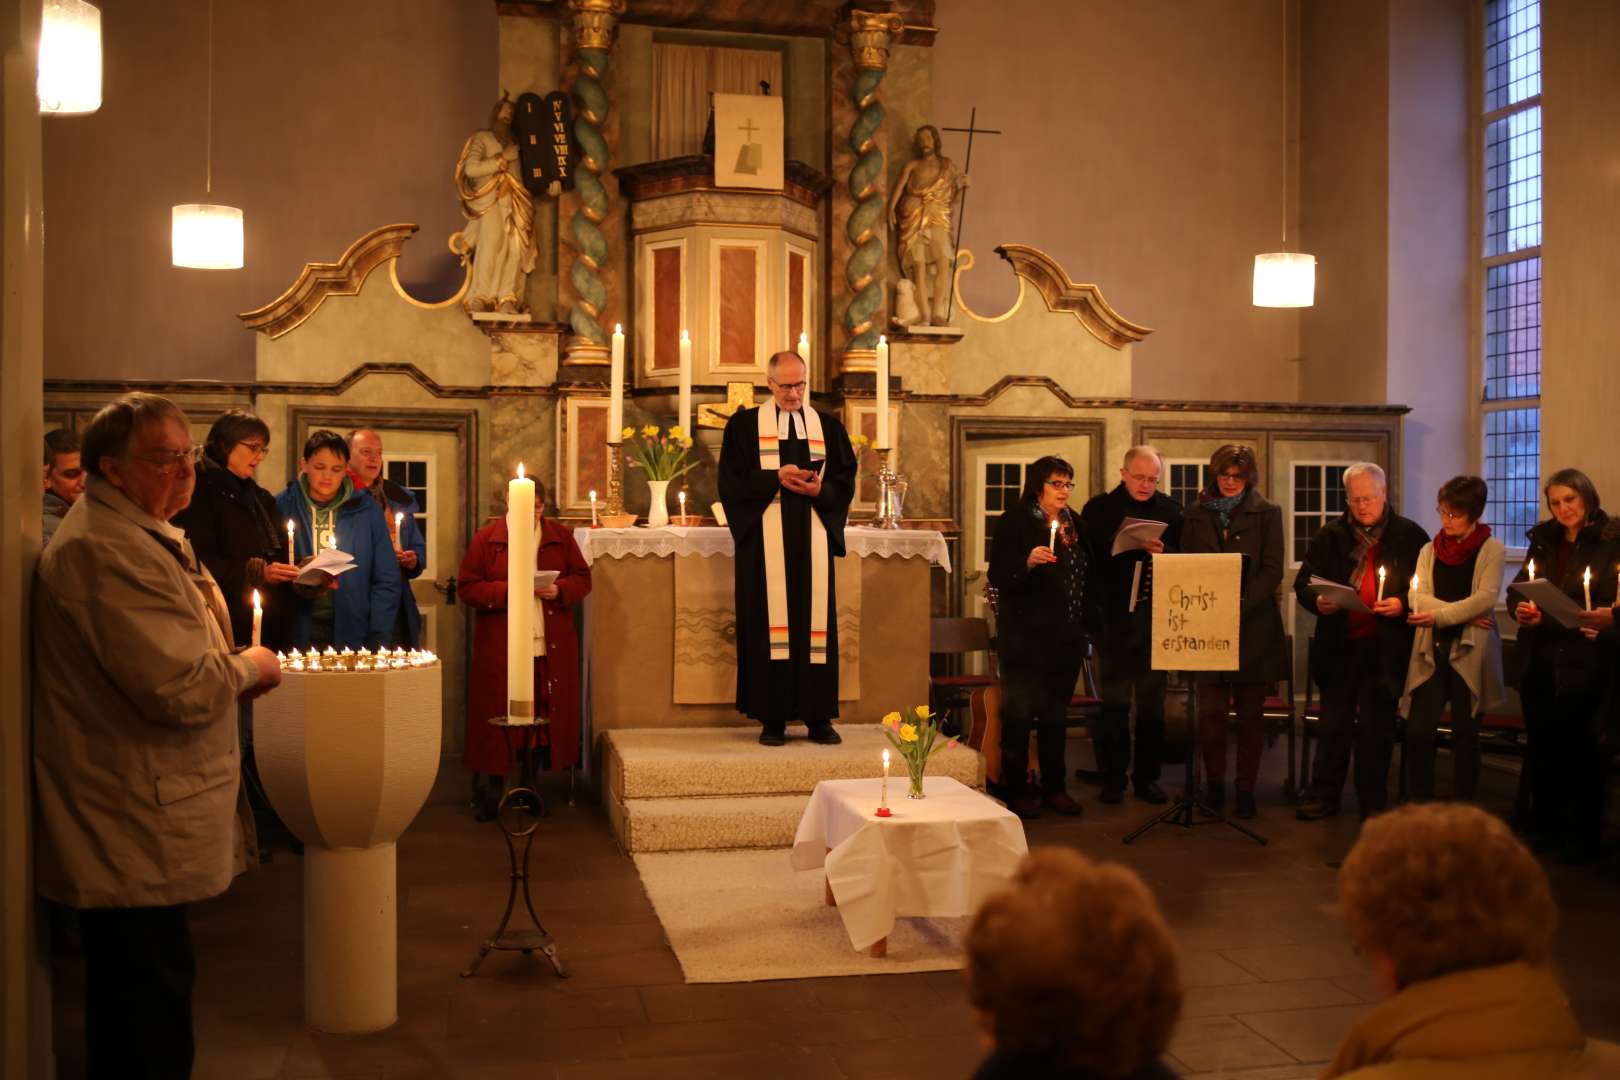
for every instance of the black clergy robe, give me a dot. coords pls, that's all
(780, 691)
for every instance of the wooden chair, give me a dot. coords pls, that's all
(953, 639)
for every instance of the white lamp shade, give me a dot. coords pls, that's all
(207, 237)
(1284, 279)
(69, 58)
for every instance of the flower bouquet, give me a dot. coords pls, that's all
(917, 737)
(661, 455)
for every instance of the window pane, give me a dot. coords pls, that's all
(1513, 182)
(1513, 471)
(1512, 51)
(1513, 330)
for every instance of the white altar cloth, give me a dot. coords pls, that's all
(710, 540)
(939, 856)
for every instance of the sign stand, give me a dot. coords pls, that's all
(1196, 609)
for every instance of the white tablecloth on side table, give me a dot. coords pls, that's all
(939, 856)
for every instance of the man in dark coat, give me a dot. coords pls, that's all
(1127, 668)
(1359, 659)
(787, 474)
(399, 510)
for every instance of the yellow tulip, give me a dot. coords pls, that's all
(628, 432)
(922, 712)
(651, 430)
(686, 444)
(677, 433)
(908, 732)
(892, 720)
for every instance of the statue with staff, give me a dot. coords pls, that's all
(920, 213)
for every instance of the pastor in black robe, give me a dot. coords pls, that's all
(777, 692)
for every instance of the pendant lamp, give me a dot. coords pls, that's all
(1284, 279)
(207, 236)
(69, 58)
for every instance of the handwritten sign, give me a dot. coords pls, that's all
(1197, 604)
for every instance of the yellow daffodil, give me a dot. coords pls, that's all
(892, 720)
(677, 433)
(908, 732)
(650, 431)
(686, 444)
(628, 432)
(922, 712)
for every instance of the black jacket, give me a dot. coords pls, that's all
(1001, 1065)
(1034, 620)
(232, 526)
(1103, 515)
(1576, 662)
(1256, 533)
(1332, 556)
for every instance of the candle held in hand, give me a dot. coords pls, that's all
(399, 523)
(1586, 584)
(1530, 569)
(1051, 541)
(258, 618)
(1381, 576)
(290, 528)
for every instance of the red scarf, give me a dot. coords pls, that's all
(1456, 552)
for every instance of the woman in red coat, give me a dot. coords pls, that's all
(482, 584)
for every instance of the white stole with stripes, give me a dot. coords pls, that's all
(773, 431)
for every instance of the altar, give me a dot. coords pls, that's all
(660, 631)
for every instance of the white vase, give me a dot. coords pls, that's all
(658, 508)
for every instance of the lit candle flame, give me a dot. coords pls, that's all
(618, 329)
(255, 599)
(885, 761)
(520, 470)
(1530, 569)
(593, 494)
(685, 335)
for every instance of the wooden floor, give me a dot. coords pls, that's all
(1272, 983)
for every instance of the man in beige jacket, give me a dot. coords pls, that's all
(135, 736)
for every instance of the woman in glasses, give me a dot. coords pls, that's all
(1456, 653)
(1232, 517)
(235, 530)
(1046, 614)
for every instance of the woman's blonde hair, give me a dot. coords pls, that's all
(1074, 963)
(1445, 887)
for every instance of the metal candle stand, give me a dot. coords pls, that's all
(886, 517)
(519, 814)
(615, 483)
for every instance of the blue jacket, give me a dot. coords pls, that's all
(400, 500)
(367, 598)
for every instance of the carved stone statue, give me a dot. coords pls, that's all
(499, 236)
(920, 211)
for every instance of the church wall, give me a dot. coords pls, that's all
(1143, 149)
(1428, 243)
(1580, 384)
(1344, 208)
(329, 120)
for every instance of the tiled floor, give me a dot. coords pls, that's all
(1272, 985)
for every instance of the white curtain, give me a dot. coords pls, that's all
(683, 78)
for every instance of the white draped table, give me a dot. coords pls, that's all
(660, 626)
(940, 856)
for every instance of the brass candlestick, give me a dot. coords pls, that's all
(615, 484)
(885, 517)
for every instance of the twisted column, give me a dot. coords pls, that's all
(594, 24)
(870, 34)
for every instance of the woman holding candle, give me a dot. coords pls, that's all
(1563, 673)
(483, 585)
(1456, 652)
(328, 512)
(1232, 517)
(1047, 612)
(236, 531)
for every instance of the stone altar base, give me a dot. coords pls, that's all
(708, 789)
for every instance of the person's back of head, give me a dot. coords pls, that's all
(1073, 965)
(1438, 888)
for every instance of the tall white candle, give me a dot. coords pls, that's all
(683, 415)
(1586, 583)
(804, 354)
(883, 799)
(616, 387)
(593, 508)
(399, 523)
(882, 394)
(1381, 575)
(290, 528)
(1051, 541)
(520, 598)
(258, 618)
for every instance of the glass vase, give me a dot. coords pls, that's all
(914, 775)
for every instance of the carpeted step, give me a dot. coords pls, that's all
(664, 763)
(752, 821)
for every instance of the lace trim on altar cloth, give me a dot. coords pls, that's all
(711, 540)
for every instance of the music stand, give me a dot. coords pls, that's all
(1196, 617)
